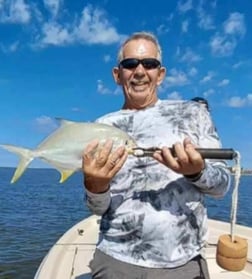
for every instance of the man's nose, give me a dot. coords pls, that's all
(140, 69)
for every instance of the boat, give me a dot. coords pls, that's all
(70, 256)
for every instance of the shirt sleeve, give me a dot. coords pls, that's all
(214, 180)
(98, 203)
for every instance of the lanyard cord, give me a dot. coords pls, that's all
(237, 175)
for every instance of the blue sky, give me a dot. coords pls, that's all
(56, 58)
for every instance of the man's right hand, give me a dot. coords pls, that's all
(99, 166)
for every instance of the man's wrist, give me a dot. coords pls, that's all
(194, 177)
(95, 187)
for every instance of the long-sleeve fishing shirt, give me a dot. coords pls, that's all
(152, 216)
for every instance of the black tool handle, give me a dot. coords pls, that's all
(214, 153)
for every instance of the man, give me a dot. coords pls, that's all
(154, 222)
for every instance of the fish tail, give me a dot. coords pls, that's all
(26, 156)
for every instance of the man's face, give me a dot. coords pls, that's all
(139, 83)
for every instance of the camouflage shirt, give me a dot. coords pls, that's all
(152, 216)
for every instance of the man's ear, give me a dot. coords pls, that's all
(116, 75)
(161, 75)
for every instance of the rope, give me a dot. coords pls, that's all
(237, 175)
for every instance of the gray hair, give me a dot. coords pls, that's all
(141, 35)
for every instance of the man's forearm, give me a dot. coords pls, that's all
(214, 180)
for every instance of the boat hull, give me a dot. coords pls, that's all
(70, 255)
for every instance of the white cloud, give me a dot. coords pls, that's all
(222, 45)
(94, 28)
(53, 6)
(14, 46)
(176, 78)
(45, 124)
(189, 56)
(170, 17)
(118, 90)
(235, 24)
(16, 11)
(165, 27)
(192, 72)
(208, 93)
(238, 64)
(9, 48)
(208, 77)
(107, 58)
(184, 26)
(75, 109)
(205, 20)
(249, 98)
(55, 34)
(162, 29)
(238, 101)
(224, 82)
(184, 7)
(101, 88)
(178, 51)
(44, 120)
(175, 95)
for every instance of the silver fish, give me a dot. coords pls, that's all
(64, 147)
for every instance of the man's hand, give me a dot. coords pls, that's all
(99, 166)
(187, 162)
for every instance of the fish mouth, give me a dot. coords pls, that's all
(130, 147)
(130, 151)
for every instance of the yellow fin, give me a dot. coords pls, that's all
(26, 156)
(65, 174)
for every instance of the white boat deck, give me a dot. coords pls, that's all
(70, 256)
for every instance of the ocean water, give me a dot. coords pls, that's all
(37, 210)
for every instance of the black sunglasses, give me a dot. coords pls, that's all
(132, 63)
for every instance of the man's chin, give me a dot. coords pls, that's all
(141, 100)
(139, 92)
